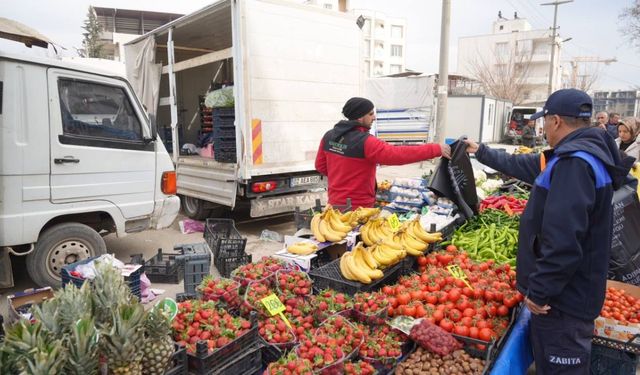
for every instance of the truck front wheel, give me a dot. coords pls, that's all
(60, 245)
(195, 208)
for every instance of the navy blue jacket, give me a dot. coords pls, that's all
(565, 229)
(612, 130)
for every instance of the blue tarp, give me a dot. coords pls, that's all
(517, 354)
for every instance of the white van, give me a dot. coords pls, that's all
(79, 159)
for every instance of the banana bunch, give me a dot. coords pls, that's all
(373, 231)
(302, 248)
(387, 256)
(331, 225)
(363, 214)
(524, 150)
(415, 240)
(360, 265)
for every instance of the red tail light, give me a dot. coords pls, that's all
(169, 186)
(261, 187)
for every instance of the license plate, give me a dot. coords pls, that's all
(307, 180)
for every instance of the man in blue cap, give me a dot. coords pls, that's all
(565, 229)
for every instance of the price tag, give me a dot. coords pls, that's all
(459, 274)
(394, 222)
(275, 307)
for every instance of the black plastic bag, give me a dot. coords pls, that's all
(454, 179)
(624, 261)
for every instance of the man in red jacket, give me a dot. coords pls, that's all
(348, 155)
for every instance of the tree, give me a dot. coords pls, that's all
(92, 46)
(582, 81)
(630, 18)
(503, 75)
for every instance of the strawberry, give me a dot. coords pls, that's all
(255, 292)
(290, 364)
(370, 308)
(220, 290)
(293, 283)
(358, 368)
(329, 302)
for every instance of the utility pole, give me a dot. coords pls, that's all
(443, 72)
(553, 40)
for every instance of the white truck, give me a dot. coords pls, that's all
(79, 159)
(292, 67)
(479, 117)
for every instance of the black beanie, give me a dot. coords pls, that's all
(356, 107)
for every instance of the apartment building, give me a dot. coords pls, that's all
(513, 42)
(626, 103)
(120, 26)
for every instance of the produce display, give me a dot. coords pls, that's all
(382, 347)
(492, 235)
(221, 290)
(332, 225)
(264, 270)
(302, 248)
(621, 306)
(433, 338)
(359, 368)
(274, 331)
(424, 362)
(290, 364)
(507, 203)
(293, 283)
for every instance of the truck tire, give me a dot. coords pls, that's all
(194, 208)
(60, 245)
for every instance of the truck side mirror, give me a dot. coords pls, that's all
(153, 127)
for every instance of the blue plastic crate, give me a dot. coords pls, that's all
(133, 280)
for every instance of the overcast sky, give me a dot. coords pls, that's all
(593, 24)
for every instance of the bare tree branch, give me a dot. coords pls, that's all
(630, 18)
(504, 75)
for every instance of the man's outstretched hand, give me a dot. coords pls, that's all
(472, 146)
(445, 150)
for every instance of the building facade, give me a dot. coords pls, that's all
(626, 103)
(120, 26)
(383, 43)
(515, 47)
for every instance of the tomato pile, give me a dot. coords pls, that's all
(204, 321)
(621, 306)
(479, 310)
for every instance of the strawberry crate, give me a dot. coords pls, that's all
(204, 363)
(178, 364)
(133, 280)
(329, 276)
(164, 268)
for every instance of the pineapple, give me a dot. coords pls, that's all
(33, 350)
(47, 359)
(158, 346)
(109, 291)
(122, 344)
(82, 349)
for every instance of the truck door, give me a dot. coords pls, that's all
(100, 143)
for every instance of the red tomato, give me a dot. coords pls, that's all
(403, 298)
(438, 315)
(454, 294)
(473, 332)
(422, 260)
(502, 310)
(420, 311)
(455, 315)
(468, 312)
(409, 310)
(387, 290)
(416, 295)
(461, 330)
(446, 324)
(486, 334)
(451, 248)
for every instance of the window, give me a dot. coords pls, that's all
(94, 111)
(502, 48)
(393, 68)
(367, 48)
(328, 6)
(501, 27)
(396, 31)
(367, 26)
(396, 50)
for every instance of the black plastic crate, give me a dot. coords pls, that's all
(270, 353)
(302, 218)
(329, 276)
(197, 264)
(226, 265)
(224, 121)
(178, 364)
(133, 280)
(607, 360)
(632, 346)
(223, 238)
(249, 363)
(225, 155)
(224, 144)
(221, 131)
(201, 362)
(223, 112)
(164, 268)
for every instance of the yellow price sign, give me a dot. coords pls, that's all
(458, 273)
(394, 222)
(275, 307)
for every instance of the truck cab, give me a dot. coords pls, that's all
(80, 159)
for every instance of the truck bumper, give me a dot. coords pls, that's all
(286, 203)
(166, 212)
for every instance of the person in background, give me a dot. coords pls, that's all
(565, 229)
(529, 134)
(612, 125)
(601, 120)
(348, 155)
(627, 139)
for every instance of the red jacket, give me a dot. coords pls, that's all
(348, 156)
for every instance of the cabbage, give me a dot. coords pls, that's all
(479, 176)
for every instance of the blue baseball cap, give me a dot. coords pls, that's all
(567, 102)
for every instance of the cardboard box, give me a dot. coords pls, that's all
(20, 302)
(614, 329)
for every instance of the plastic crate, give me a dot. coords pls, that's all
(197, 264)
(224, 145)
(221, 131)
(607, 360)
(164, 268)
(225, 155)
(249, 363)
(270, 353)
(329, 276)
(223, 238)
(302, 218)
(226, 265)
(201, 362)
(224, 121)
(133, 280)
(178, 364)
(223, 112)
